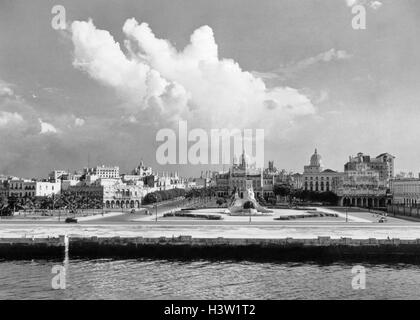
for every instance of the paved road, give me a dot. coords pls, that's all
(355, 231)
(133, 219)
(260, 227)
(125, 220)
(141, 219)
(126, 217)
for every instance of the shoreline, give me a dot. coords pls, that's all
(320, 249)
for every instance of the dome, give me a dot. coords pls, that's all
(316, 159)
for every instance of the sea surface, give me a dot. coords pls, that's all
(162, 279)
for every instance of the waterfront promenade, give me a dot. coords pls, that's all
(354, 224)
(354, 235)
(214, 230)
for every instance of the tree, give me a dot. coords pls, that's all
(3, 201)
(261, 200)
(249, 205)
(26, 203)
(150, 198)
(220, 201)
(282, 190)
(13, 202)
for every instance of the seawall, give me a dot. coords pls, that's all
(32, 248)
(321, 249)
(186, 247)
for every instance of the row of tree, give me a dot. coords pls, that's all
(163, 195)
(64, 201)
(305, 195)
(208, 192)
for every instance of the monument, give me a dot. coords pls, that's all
(247, 205)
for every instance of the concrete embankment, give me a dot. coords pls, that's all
(322, 249)
(32, 248)
(185, 247)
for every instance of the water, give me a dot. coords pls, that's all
(151, 279)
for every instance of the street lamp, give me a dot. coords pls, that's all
(347, 212)
(156, 212)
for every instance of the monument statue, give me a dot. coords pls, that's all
(238, 203)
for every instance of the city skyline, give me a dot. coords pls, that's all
(269, 165)
(319, 83)
(209, 154)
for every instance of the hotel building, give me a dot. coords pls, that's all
(316, 178)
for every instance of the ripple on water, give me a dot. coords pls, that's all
(202, 279)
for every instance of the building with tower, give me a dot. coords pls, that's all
(243, 173)
(317, 178)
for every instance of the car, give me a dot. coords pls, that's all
(70, 220)
(382, 220)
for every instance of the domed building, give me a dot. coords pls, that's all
(316, 178)
(315, 165)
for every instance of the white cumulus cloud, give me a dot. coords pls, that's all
(5, 91)
(375, 5)
(78, 122)
(47, 127)
(193, 84)
(9, 118)
(372, 4)
(327, 56)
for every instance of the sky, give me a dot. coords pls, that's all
(100, 90)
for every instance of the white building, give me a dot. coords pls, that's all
(56, 175)
(364, 183)
(29, 188)
(406, 191)
(106, 172)
(111, 193)
(317, 178)
(137, 175)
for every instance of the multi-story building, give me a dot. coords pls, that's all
(317, 178)
(243, 172)
(406, 191)
(222, 183)
(123, 196)
(4, 189)
(138, 174)
(383, 164)
(70, 179)
(56, 175)
(31, 188)
(104, 172)
(362, 188)
(166, 181)
(111, 193)
(297, 181)
(366, 180)
(207, 179)
(389, 160)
